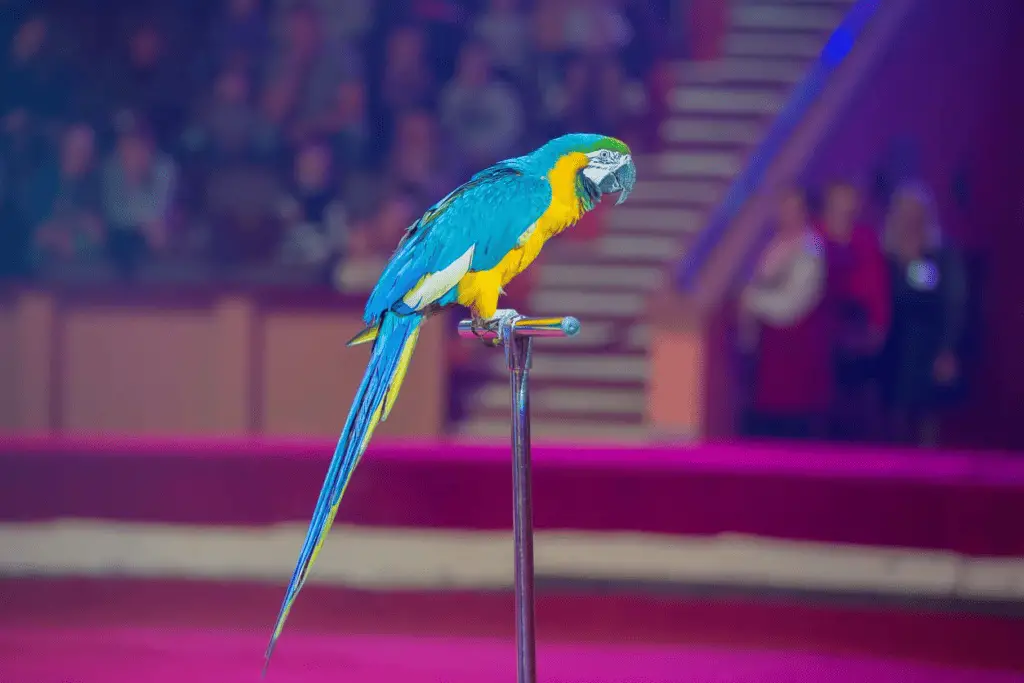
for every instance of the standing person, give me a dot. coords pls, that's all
(921, 368)
(138, 184)
(785, 322)
(859, 284)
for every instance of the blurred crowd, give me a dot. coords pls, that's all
(854, 332)
(281, 138)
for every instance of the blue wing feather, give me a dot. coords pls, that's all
(490, 211)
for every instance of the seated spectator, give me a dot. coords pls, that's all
(242, 211)
(138, 186)
(921, 370)
(596, 28)
(31, 86)
(408, 81)
(345, 126)
(568, 105)
(415, 160)
(33, 83)
(150, 83)
(505, 29)
(239, 38)
(859, 280)
(342, 22)
(622, 106)
(784, 321)
(443, 23)
(313, 215)
(227, 128)
(374, 238)
(15, 229)
(66, 211)
(548, 43)
(482, 115)
(305, 71)
(397, 212)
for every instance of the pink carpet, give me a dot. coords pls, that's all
(110, 631)
(960, 501)
(163, 656)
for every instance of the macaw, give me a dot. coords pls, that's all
(463, 250)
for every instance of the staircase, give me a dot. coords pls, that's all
(593, 386)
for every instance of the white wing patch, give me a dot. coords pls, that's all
(526, 235)
(436, 285)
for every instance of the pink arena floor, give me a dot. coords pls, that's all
(166, 656)
(77, 631)
(119, 630)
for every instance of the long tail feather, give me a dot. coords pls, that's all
(392, 350)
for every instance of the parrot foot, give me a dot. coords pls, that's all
(488, 326)
(482, 326)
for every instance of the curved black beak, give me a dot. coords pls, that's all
(621, 179)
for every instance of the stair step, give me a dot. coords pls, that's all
(581, 303)
(556, 431)
(702, 164)
(625, 402)
(592, 277)
(701, 131)
(646, 249)
(593, 335)
(644, 219)
(780, 16)
(744, 70)
(639, 337)
(774, 44)
(597, 367)
(706, 192)
(734, 100)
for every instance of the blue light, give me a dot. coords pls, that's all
(838, 46)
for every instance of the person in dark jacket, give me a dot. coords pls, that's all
(920, 360)
(859, 288)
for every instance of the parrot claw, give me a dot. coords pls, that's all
(492, 326)
(482, 325)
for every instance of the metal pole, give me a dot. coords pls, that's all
(516, 333)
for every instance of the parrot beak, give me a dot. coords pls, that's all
(624, 177)
(617, 176)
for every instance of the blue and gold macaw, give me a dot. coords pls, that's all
(463, 250)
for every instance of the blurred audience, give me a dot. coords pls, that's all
(480, 114)
(239, 38)
(841, 329)
(785, 323)
(345, 125)
(288, 132)
(33, 79)
(505, 29)
(921, 358)
(227, 128)
(859, 282)
(311, 211)
(416, 160)
(146, 81)
(138, 191)
(408, 79)
(65, 210)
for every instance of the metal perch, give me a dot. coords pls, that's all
(516, 333)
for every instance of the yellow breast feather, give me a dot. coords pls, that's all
(480, 290)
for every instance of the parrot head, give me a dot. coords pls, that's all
(609, 168)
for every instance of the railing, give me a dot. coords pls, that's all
(804, 95)
(151, 360)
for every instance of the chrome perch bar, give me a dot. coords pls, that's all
(516, 333)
